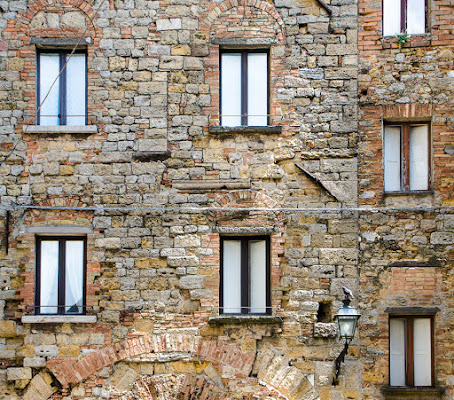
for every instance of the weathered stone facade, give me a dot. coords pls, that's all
(153, 183)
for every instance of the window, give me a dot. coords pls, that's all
(406, 157)
(404, 16)
(60, 275)
(244, 88)
(66, 102)
(245, 275)
(411, 351)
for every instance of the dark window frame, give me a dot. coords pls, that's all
(405, 153)
(403, 16)
(61, 274)
(244, 81)
(63, 53)
(245, 274)
(409, 354)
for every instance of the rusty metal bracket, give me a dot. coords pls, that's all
(325, 7)
(317, 181)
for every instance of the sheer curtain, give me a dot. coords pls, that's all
(49, 277)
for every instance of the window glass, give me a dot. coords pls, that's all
(257, 262)
(49, 69)
(49, 277)
(74, 271)
(231, 89)
(419, 157)
(392, 158)
(75, 88)
(416, 16)
(397, 351)
(232, 276)
(257, 89)
(391, 17)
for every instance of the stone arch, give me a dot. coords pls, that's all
(226, 5)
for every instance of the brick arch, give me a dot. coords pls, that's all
(226, 5)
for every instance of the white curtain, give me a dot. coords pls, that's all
(422, 351)
(397, 333)
(75, 90)
(257, 265)
(49, 70)
(419, 157)
(257, 89)
(231, 89)
(232, 276)
(49, 277)
(74, 276)
(392, 160)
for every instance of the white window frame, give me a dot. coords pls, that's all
(411, 351)
(407, 157)
(405, 16)
(244, 87)
(53, 275)
(245, 275)
(56, 108)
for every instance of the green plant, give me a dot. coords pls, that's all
(402, 38)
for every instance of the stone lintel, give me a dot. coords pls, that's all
(61, 129)
(151, 155)
(244, 319)
(244, 42)
(212, 184)
(419, 392)
(415, 264)
(244, 129)
(62, 319)
(245, 230)
(59, 230)
(412, 310)
(44, 42)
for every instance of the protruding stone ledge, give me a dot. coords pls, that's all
(244, 319)
(244, 42)
(245, 129)
(59, 319)
(412, 310)
(245, 230)
(151, 155)
(429, 393)
(410, 193)
(60, 42)
(212, 184)
(61, 129)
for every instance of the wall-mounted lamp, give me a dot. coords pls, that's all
(347, 319)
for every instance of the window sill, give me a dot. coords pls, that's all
(244, 129)
(244, 319)
(410, 193)
(419, 392)
(56, 319)
(61, 129)
(416, 40)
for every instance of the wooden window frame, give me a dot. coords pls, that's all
(245, 274)
(409, 349)
(61, 274)
(62, 99)
(403, 15)
(244, 82)
(405, 153)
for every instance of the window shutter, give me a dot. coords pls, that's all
(392, 160)
(231, 89)
(49, 68)
(419, 157)
(74, 279)
(49, 277)
(391, 17)
(231, 276)
(416, 16)
(422, 351)
(75, 90)
(257, 89)
(397, 351)
(257, 265)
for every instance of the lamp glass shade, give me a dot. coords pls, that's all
(347, 318)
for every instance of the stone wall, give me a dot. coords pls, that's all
(153, 183)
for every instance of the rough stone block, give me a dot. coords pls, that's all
(7, 329)
(18, 374)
